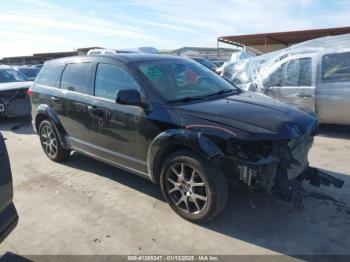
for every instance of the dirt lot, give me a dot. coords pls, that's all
(86, 207)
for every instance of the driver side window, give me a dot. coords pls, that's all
(273, 79)
(110, 79)
(296, 72)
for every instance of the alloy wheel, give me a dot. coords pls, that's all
(48, 140)
(186, 188)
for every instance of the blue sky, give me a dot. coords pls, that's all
(28, 26)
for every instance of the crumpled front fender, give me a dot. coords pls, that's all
(183, 138)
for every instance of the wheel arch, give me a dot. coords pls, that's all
(44, 112)
(174, 140)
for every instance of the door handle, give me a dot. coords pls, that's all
(303, 95)
(54, 98)
(96, 111)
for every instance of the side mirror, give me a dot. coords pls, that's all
(129, 97)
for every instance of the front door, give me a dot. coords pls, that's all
(118, 130)
(297, 85)
(294, 83)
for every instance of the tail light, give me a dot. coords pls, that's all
(30, 91)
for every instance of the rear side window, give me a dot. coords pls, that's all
(110, 79)
(336, 67)
(76, 77)
(50, 75)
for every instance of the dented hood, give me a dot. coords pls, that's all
(261, 116)
(15, 85)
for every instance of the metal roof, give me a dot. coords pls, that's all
(200, 49)
(285, 38)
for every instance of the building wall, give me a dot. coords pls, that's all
(35, 59)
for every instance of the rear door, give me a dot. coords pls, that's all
(333, 88)
(74, 101)
(8, 213)
(296, 82)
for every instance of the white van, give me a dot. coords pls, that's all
(101, 52)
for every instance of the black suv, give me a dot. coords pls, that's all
(173, 121)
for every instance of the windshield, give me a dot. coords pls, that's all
(205, 62)
(181, 79)
(10, 75)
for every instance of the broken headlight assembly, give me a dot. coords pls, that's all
(279, 167)
(249, 152)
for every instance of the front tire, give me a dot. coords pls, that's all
(50, 142)
(194, 188)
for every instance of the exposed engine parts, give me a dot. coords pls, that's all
(282, 168)
(247, 175)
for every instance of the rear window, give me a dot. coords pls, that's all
(50, 75)
(336, 67)
(76, 77)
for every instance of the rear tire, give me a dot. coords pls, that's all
(194, 188)
(50, 142)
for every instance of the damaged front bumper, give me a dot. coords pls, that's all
(284, 169)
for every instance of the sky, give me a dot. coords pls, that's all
(35, 26)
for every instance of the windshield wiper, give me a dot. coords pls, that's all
(187, 99)
(192, 98)
(223, 91)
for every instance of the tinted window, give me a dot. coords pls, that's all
(76, 77)
(110, 79)
(11, 75)
(336, 67)
(50, 75)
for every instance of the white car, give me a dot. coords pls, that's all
(14, 101)
(148, 50)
